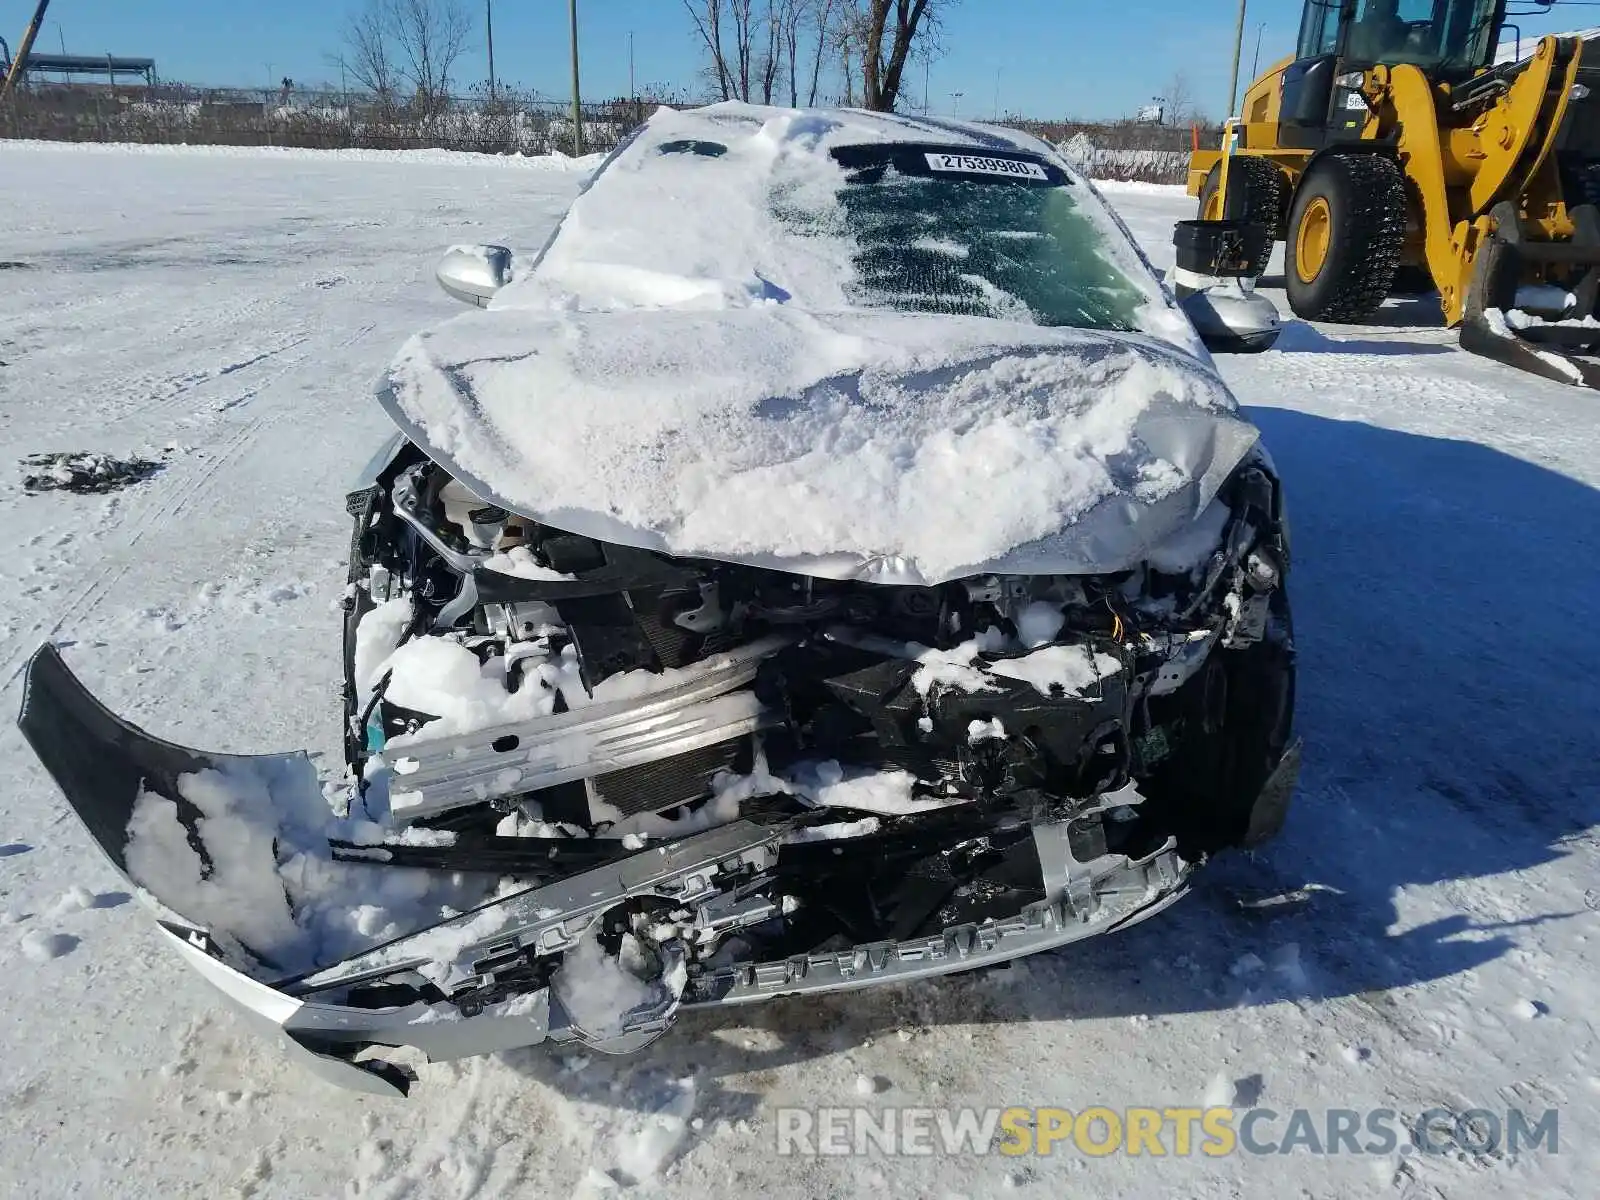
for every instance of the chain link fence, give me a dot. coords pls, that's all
(1126, 150)
(507, 123)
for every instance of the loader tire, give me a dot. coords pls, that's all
(1255, 193)
(1346, 232)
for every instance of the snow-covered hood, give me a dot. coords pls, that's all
(883, 446)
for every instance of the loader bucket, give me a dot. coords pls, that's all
(1551, 330)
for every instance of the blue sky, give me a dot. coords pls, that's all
(1044, 58)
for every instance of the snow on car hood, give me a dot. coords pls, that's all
(889, 447)
(689, 366)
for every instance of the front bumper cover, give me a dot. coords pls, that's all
(492, 990)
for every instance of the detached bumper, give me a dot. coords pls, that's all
(488, 981)
(334, 1039)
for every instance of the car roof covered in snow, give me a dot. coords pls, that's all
(689, 368)
(708, 208)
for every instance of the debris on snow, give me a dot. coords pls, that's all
(84, 472)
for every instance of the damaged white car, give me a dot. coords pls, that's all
(832, 560)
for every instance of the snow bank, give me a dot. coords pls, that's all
(441, 158)
(1136, 187)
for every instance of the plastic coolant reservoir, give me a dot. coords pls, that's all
(459, 505)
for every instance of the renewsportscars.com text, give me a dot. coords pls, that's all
(1160, 1132)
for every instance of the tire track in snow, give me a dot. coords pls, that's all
(119, 559)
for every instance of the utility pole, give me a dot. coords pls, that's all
(955, 103)
(997, 95)
(1238, 52)
(1255, 67)
(633, 91)
(488, 23)
(577, 108)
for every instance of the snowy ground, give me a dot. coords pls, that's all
(1422, 935)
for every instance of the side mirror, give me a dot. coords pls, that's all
(1232, 319)
(473, 274)
(1214, 281)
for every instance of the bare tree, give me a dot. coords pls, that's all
(430, 36)
(789, 15)
(365, 57)
(890, 29)
(1178, 103)
(849, 39)
(391, 43)
(754, 46)
(730, 66)
(824, 22)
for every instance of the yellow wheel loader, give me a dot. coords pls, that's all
(1392, 153)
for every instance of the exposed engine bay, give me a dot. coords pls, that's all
(1032, 693)
(719, 783)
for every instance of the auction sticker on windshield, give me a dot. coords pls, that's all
(969, 164)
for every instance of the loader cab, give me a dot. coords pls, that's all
(1451, 40)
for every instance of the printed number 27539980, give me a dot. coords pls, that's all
(972, 164)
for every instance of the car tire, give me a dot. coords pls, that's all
(1255, 193)
(1345, 235)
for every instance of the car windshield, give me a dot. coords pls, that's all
(969, 232)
